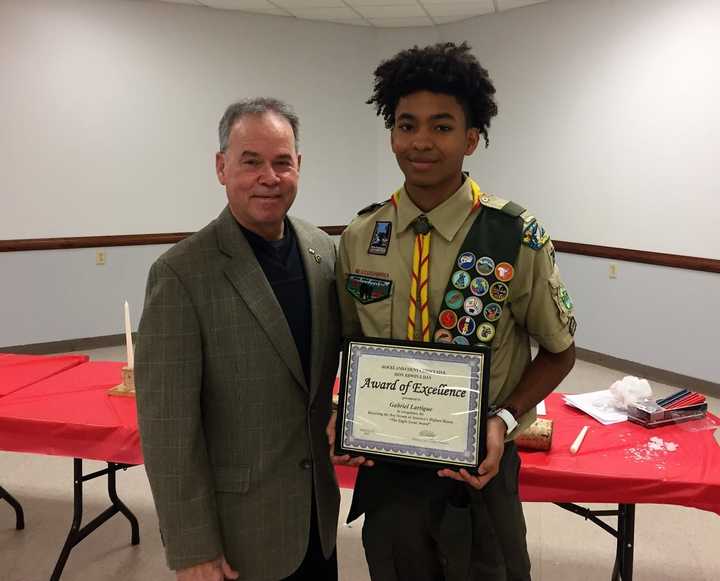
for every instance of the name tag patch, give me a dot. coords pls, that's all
(368, 289)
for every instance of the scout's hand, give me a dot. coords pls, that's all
(217, 570)
(491, 465)
(345, 460)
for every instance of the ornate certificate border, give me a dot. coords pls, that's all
(476, 361)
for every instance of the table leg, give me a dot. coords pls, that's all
(624, 534)
(78, 533)
(625, 552)
(17, 507)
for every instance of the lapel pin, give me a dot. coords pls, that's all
(315, 255)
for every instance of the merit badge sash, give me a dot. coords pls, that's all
(480, 281)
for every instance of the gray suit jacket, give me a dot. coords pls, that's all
(233, 437)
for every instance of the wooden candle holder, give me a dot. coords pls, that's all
(127, 387)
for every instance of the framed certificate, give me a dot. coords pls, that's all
(419, 403)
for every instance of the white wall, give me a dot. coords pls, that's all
(110, 111)
(609, 127)
(607, 130)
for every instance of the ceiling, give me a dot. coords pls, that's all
(376, 13)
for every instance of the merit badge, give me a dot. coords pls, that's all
(499, 291)
(479, 286)
(504, 271)
(380, 241)
(460, 279)
(466, 260)
(473, 306)
(485, 332)
(535, 236)
(485, 265)
(448, 319)
(443, 336)
(466, 325)
(454, 299)
(492, 312)
(368, 289)
(460, 340)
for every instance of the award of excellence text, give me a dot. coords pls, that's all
(414, 387)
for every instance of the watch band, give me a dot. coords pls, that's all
(507, 416)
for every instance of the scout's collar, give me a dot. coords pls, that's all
(447, 218)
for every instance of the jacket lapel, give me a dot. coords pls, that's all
(318, 302)
(245, 274)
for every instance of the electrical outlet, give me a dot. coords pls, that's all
(100, 257)
(612, 272)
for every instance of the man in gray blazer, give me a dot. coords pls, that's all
(237, 353)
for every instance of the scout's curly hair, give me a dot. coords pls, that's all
(444, 68)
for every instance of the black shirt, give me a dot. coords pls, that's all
(283, 268)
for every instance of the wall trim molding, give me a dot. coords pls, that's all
(630, 367)
(609, 252)
(651, 373)
(68, 345)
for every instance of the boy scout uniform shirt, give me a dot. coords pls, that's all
(537, 304)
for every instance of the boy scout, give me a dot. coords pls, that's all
(441, 261)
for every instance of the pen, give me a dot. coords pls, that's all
(578, 441)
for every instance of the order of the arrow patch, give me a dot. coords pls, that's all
(368, 289)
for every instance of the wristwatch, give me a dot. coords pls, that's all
(507, 414)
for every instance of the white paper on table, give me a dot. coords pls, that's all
(599, 405)
(540, 408)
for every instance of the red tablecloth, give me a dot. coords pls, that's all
(70, 414)
(18, 371)
(618, 463)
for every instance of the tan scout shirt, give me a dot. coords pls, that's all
(534, 306)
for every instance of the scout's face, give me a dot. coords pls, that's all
(260, 170)
(430, 140)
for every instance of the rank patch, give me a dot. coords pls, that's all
(368, 289)
(380, 240)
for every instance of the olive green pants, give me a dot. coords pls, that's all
(468, 535)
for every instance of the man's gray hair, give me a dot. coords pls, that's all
(256, 106)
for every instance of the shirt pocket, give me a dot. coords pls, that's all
(376, 318)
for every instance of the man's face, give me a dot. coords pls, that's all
(430, 140)
(260, 170)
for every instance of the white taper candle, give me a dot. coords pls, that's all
(578, 441)
(128, 338)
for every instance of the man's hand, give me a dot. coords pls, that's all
(491, 465)
(217, 570)
(345, 460)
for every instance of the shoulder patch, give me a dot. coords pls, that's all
(535, 235)
(372, 207)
